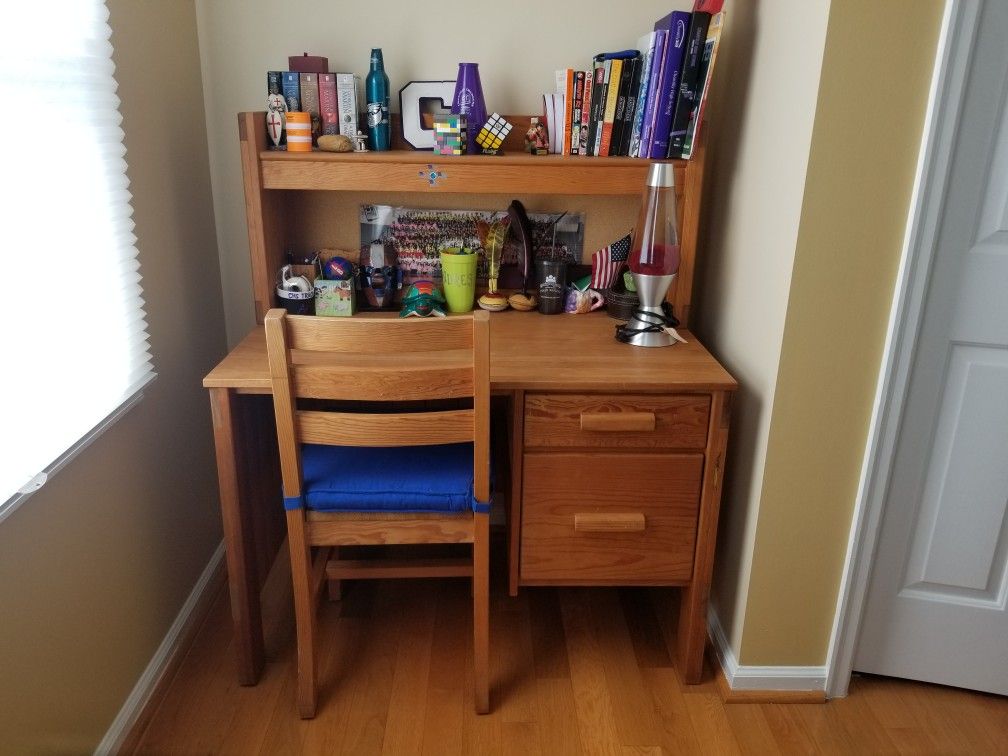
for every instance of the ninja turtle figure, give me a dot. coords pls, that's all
(422, 300)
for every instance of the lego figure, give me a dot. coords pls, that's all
(536, 139)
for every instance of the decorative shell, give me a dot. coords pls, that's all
(523, 303)
(493, 302)
(335, 143)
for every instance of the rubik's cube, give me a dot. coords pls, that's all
(493, 134)
(450, 135)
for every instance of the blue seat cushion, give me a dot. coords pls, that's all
(398, 479)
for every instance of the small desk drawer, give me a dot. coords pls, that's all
(603, 518)
(642, 421)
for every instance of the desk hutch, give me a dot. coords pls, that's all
(616, 452)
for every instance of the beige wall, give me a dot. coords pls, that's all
(518, 48)
(761, 117)
(763, 277)
(96, 565)
(873, 92)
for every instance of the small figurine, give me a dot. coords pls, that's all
(276, 118)
(422, 300)
(492, 135)
(536, 138)
(360, 141)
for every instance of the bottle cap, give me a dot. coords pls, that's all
(661, 175)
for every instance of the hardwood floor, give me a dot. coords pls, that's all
(572, 671)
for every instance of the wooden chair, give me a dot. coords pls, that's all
(358, 477)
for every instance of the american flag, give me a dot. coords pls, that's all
(608, 262)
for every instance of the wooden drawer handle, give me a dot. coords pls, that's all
(591, 522)
(617, 421)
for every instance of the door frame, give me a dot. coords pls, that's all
(941, 124)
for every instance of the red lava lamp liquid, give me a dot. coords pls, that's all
(655, 247)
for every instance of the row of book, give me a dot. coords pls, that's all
(330, 98)
(645, 103)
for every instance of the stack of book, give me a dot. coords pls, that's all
(644, 103)
(330, 98)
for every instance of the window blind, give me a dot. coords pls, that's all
(74, 329)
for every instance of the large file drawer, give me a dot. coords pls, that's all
(609, 518)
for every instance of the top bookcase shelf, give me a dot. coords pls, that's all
(410, 170)
(282, 209)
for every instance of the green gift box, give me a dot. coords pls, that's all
(335, 298)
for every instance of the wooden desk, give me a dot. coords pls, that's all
(643, 466)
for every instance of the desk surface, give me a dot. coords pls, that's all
(534, 352)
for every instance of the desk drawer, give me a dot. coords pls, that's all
(617, 421)
(602, 518)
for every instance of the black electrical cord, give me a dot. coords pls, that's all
(654, 321)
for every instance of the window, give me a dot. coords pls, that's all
(74, 335)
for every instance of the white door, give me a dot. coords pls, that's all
(936, 598)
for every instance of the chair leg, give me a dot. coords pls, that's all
(481, 611)
(335, 586)
(304, 611)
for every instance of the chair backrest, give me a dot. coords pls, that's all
(379, 359)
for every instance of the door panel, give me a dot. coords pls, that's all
(936, 605)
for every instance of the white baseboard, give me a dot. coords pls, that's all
(757, 677)
(181, 628)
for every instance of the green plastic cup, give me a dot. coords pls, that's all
(458, 273)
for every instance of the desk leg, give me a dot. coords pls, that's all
(692, 634)
(515, 494)
(243, 582)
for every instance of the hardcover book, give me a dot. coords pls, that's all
(657, 60)
(711, 45)
(688, 84)
(646, 45)
(346, 103)
(612, 94)
(310, 101)
(292, 91)
(629, 113)
(677, 24)
(328, 107)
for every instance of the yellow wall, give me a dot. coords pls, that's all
(760, 127)
(96, 565)
(873, 91)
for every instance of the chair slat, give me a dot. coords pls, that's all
(342, 569)
(377, 384)
(378, 335)
(377, 532)
(386, 429)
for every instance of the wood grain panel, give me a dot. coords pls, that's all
(664, 489)
(381, 383)
(345, 532)
(616, 421)
(386, 429)
(378, 335)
